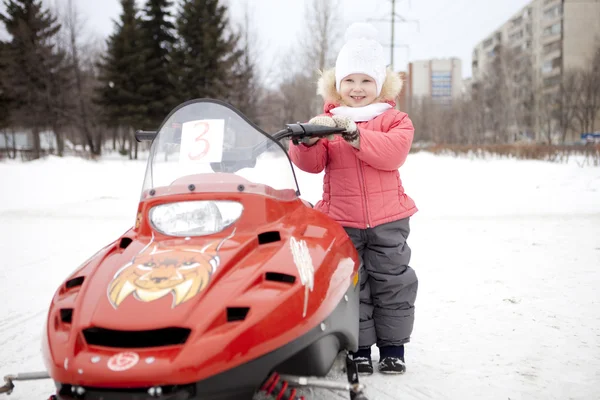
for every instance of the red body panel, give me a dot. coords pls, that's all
(112, 296)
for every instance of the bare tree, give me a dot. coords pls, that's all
(314, 52)
(508, 94)
(497, 106)
(588, 109)
(567, 101)
(476, 111)
(10, 143)
(545, 112)
(82, 55)
(246, 76)
(321, 35)
(432, 121)
(321, 42)
(465, 122)
(297, 96)
(271, 115)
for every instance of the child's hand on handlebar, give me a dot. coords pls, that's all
(322, 120)
(351, 134)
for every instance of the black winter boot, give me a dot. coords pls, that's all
(362, 358)
(391, 360)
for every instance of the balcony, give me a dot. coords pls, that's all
(551, 33)
(516, 36)
(553, 13)
(516, 23)
(552, 50)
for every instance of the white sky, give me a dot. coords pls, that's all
(447, 28)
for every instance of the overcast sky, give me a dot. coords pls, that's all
(447, 28)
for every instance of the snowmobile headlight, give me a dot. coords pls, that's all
(194, 218)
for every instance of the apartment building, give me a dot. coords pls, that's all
(554, 35)
(437, 79)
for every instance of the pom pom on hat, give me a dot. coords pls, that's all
(360, 30)
(361, 54)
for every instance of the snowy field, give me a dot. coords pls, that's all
(507, 253)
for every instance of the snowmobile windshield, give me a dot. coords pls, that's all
(208, 146)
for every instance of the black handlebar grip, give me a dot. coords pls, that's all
(141, 136)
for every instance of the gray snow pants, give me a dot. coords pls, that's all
(388, 286)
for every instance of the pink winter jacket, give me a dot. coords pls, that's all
(362, 188)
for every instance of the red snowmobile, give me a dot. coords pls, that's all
(227, 285)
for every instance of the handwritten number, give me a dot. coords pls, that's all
(201, 142)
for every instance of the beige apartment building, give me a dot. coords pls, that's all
(438, 79)
(556, 35)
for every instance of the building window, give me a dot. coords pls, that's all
(557, 62)
(550, 47)
(552, 81)
(550, 65)
(553, 29)
(441, 84)
(547, 67)
(488, 42)
(553, 12)
(517, 35)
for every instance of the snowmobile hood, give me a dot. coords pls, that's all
(249, 293)
(164, 279)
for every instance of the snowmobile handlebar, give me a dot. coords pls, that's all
(143, 136)
(298, 131)
(294, 131)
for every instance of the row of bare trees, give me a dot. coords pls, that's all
(511, 102)
(291, 93)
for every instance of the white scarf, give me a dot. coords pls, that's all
(360, 114)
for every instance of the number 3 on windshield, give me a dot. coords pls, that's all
(202, 145)
(202, 141)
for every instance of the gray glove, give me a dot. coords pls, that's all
(351, 133)
(322, 120)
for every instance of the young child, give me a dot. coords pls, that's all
(363, 190)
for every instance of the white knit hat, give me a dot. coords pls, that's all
(361, 54)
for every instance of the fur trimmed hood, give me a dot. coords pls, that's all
(391, 88)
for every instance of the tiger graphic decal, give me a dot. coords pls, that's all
(156, 272)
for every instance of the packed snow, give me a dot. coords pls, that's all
(507, 253)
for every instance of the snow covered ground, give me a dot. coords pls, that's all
(507, 253)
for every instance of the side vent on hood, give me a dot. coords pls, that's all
(237, 313)
(75, 282)
(268, 237)
(279, 277)
(125, 242)
(136, 339)
(66, 315)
